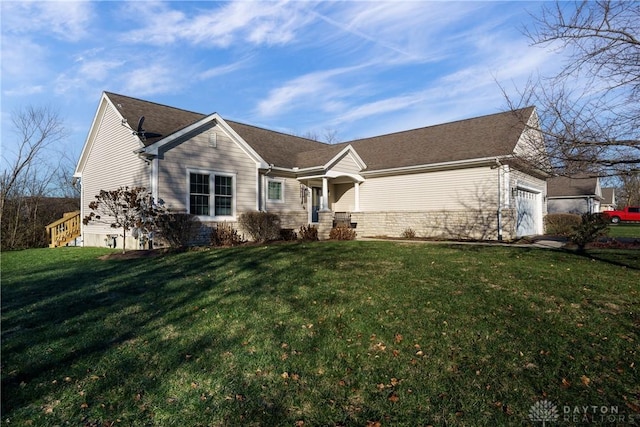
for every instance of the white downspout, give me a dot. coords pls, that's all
(499, 167)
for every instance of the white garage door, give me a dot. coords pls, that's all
(528, 213)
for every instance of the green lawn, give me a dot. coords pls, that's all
(625, 230)
(328, 333)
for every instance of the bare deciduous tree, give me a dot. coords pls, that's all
(590, 111)
(29, 177)
(36, 130)
(329, 136)
(628, 192)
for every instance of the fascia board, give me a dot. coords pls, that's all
(154, 148)
(332, 174)
(260, 162)
(88, 143)
(584, 196)
(346, 150)
(484, 161)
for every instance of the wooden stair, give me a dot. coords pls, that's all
(64, 230)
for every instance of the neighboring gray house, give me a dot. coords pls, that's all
(464, 179)
(577, 195)
(608, 199)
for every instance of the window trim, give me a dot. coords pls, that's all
(212, 196)
(282, 187)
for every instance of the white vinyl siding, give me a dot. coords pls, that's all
(110, 163)
(346, 164)
(459, 189)
(292, 196)
(198, 155)
(343, 197)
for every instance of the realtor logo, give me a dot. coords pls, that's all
(544, 411)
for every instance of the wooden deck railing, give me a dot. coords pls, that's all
(64, 230)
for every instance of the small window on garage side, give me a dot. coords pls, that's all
(275, 191)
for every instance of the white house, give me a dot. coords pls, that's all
(465, 179)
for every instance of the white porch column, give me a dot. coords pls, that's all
(356, 196)
(324, 203)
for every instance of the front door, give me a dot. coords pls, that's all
(316, 197)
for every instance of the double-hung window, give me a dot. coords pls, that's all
(223, 196)
(199, 195)
(275, 190)
(211, 194)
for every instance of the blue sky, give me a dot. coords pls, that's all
(358, 68)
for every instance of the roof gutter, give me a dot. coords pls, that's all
(485, 161)
(590, 196)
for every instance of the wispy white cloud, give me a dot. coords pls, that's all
(151, 80)
(24, 90)
(319, 89)
(412, 31)
(467, 58)
(221, 70)
(99, 70)
(22, 58)
(64, 20)
(260, 23)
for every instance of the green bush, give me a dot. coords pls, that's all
(178, 229)
(261, 226)
(561, 224)
(591, 227)
(225, 235)
(308, 233)
(342, 232)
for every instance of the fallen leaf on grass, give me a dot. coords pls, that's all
(393, 397)
(565, 383)
(585, 380)
(379, 347)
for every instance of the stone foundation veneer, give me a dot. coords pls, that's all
(459, 225)
(464, 224)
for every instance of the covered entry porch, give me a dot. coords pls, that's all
(331, 195)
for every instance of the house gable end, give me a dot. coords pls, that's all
(96, 127)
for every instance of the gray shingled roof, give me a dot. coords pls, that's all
(158, 118)
(277, 148)
(481, 137)
(563, 186)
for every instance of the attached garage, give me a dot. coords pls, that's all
(528, 211)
